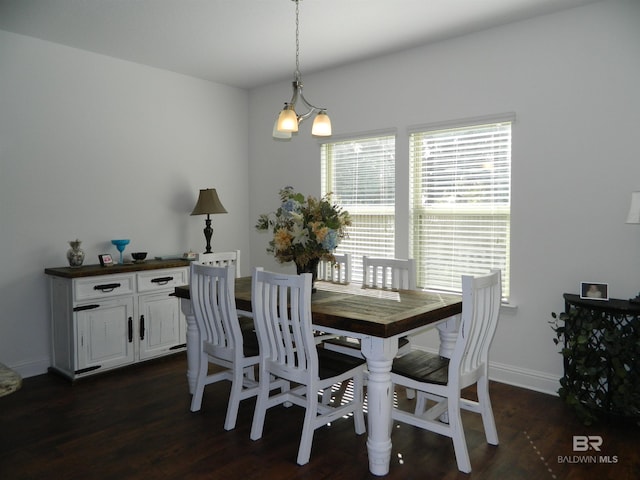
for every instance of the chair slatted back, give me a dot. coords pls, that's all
(338, 271)
(213, 301)
(481, 298)
(221, 259)
(389, 273)
(281, 307)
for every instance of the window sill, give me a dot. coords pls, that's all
(509, 308)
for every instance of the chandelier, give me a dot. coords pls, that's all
(288, 119)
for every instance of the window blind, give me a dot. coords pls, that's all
(460, 203)
(360, 173)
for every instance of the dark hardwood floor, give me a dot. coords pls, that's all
(135, 423)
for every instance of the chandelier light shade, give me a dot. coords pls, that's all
(208, 203)
(289, 119)
(321, 125)
(634, 208)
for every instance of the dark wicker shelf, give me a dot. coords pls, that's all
(602, 355)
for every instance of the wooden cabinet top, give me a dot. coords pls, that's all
(613, 305)
(95, 270)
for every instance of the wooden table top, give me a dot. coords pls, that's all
(379, 313)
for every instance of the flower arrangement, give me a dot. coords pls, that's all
(304, 230)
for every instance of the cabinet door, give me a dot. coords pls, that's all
(105, 334)
(160, 324)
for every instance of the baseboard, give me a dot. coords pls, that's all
(33, 368)
(519, 377)
(525, 378)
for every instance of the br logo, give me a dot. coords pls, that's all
(583, 443)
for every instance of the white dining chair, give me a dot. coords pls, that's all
(441, 379)
(224, 259)
(388, 273)
(222, 340)
(338, 271)
(384, 274)
(221, 259)
(288, 351)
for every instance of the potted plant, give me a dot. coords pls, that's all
(305, 229)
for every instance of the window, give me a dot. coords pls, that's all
(460, 203)
(360, 173)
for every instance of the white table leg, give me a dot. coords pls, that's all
(193, 339)
(448, 332)
(379, 353)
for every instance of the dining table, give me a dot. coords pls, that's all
(377, 318)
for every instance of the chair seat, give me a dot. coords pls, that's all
(422, 367)
(332, 364)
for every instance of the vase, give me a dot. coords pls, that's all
(75, 254)
(310, 267)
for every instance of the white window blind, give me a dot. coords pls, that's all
(360, 173)
(460, 201)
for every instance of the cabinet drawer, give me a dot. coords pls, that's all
(154, 280)
(103, 286)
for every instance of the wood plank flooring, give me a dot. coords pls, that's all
(135, 423)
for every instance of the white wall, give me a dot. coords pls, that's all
(98, 148)
(572, 79)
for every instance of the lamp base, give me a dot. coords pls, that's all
(208, 233)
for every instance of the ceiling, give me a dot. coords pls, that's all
(247, 43)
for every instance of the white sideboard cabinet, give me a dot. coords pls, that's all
(108, 317)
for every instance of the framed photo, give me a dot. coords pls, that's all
(105, 260)
(594, 291)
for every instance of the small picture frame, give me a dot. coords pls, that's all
(105, 260)
(594, 291)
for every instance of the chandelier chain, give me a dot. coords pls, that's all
(289, 119)
(297, 72)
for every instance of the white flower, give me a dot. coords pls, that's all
(300, 235)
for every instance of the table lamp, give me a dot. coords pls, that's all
(208, 203)
(634, 217)
(634, 210)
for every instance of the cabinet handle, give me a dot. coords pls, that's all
(130, 329)
(88, 369)
(85, 307)
(107, 287)
(141, 327)
(162, 280)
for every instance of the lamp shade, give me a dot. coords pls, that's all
(208, 202)
(288, 120)
(634, 209)
(321, 125)
(278, 134)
